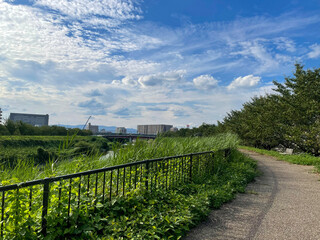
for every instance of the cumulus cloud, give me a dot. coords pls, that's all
(129, 81)
(116, 82)
(205, 82)
(315, 51)
(246, 81)
(161, 78)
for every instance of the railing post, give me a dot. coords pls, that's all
(147, 175)
(45, 203)
(2, 213)
(212, 163)
(190, 174)
(227, 153)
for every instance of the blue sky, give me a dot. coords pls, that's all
(141, 62)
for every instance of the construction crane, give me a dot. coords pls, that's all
(86, 123)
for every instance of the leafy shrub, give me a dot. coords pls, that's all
(43, 156)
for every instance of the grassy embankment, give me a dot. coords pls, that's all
(140, 215)
(24, 169)
(40, 149)
(301, 159)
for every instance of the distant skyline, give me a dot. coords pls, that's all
(141, 62)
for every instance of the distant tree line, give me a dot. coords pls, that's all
(290, 117)
(21, 128)
(205, 130)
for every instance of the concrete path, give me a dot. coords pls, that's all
(282, 203)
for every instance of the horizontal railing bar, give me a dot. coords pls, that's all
(85, 173)
(21, 185)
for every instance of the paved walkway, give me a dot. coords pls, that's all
(282, 203)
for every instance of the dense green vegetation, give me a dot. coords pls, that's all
(301, 159)
(291, 117)
(205, 130)
(162, 147)
(21, 128)
(166, 214)
(140, 215)
(42, 149)
(24, 170)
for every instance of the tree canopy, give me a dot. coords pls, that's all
(290, 117)
(204, 130)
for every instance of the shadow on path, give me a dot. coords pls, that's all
(271, 208)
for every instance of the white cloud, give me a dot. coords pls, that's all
(205, 82)
(117, 9)
(257, 27)
(32, 34)
(257, 50)
(315, 51)
(129, 81)
(29, 34)
(246, 81)
(116, 82)
(168, 77)
(266, 89)
(285, 44)
(76, 50)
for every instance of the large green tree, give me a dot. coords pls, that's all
(290, 117)
(300, 98)
(258, 123)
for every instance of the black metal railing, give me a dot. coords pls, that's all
(31, 205)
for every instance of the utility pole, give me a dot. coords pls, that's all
(0, 116)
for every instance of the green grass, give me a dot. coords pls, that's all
(302, 159)
(162, 147)
(29, 141)
(39, 149)
(141, 150)
(140, 215)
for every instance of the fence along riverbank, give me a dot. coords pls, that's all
(32, 205)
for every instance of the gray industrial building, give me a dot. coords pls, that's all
(33, 119)
(153, 129)
(93, 128)
(121, 130)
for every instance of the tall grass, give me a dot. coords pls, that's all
(158, 214)
(40, 148)
(141, 150)
(162, 147)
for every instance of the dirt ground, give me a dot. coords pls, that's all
(282, 203)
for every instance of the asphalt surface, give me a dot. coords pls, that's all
(282, 203)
